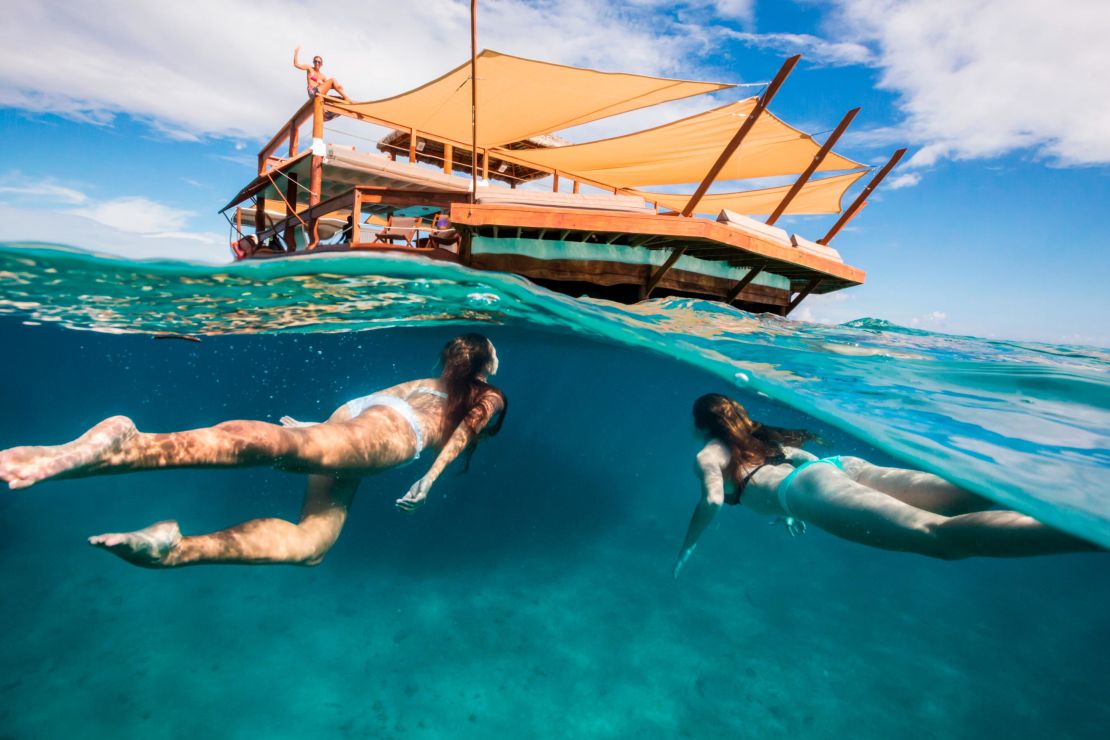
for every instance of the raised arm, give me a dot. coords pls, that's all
(711, 463)
(297, 62)
(481, 415)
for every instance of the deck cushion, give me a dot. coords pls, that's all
(758, 228)
(814, 248)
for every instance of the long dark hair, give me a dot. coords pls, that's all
(749, 442)
(463, 360)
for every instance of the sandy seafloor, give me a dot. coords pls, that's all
(531, 597)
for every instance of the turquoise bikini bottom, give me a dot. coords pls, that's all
(784, 487)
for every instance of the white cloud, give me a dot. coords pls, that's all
(191, 69)
(932, 320)
(48, 190)
(131, 226)
(816, 50)
(979, 79)
(67, 229)
(905, 180)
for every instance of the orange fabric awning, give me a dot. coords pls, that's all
(520, 98)
(816, 196)
(683, 151)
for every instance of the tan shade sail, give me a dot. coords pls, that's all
(683, 151)
(520, 98)
(816, 196)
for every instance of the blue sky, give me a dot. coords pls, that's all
(130, 131)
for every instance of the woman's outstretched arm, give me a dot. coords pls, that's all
(710, 469)
(297, 62)
(483, 413)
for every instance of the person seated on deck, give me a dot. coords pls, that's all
(368, 435)
(443, 235)
(316, 82)
(848, 497)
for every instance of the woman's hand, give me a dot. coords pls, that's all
(416, 496)
(794, 526)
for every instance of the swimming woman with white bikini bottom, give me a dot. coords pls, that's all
(761, 467)
(384, 430)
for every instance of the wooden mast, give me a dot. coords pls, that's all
(859, 201)
(473, 101)
(817, 160)
(731, 147)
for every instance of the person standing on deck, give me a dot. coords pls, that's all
(317, 83)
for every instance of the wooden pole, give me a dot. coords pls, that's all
(290, 234)
(356, 218)
(576, 184)
(318, 118)
(658, 275)
(555, 182)
(485, 165)
(294, 138)
(862, 197)
(749, 122)
(448, 158)
(817, 160)
(802, 295)
(412, 146)
(473, 101)
(743, 283)
(259, 214)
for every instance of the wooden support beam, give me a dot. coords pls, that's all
(290, 235)
(259, 217)
(663, 270)
(554, 182)
(576, 185)
(356, 218)
(448, 158)
(749, 122)
(810, 286)
(315, 180)
(412, 146)
(318, 117)
(294, 138)
(744, 282)
(817, 160)
(485, 165)
(862, 197)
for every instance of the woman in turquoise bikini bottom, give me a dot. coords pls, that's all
(889, 508)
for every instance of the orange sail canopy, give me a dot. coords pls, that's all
(816, 196)
(520, 98)
(683, 151)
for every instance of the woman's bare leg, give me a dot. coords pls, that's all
(918, 489)
(839, 505)
(256, 542)
(114, 445)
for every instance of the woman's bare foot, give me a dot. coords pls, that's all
(146, 547)
(21, 467)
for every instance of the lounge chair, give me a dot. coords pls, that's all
(403, 229)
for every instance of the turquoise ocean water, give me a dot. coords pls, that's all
(532, 596)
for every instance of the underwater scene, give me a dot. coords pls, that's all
(532, 596)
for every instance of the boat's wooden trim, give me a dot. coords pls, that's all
(857, 204)
(738, 138)
(808, 172)
(284, 133)
(703, 238)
